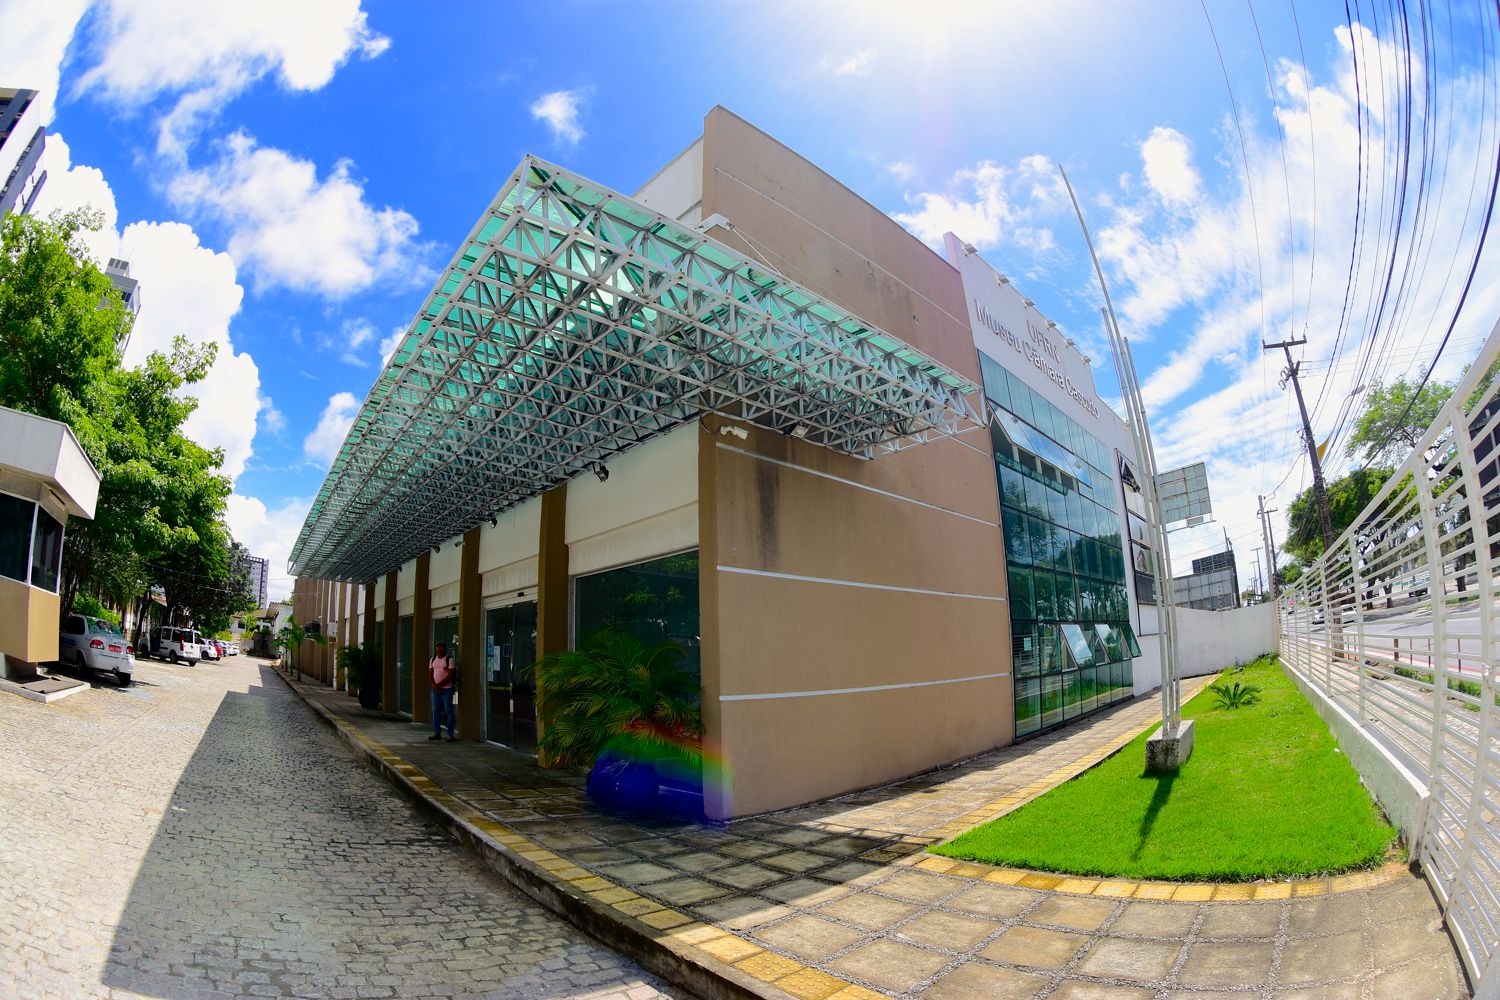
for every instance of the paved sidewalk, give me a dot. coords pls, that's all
(837, 899)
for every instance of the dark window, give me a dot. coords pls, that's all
(76, 625)
(654, 601)
(15, 535)
(46, 551)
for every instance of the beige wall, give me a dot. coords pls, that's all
(854, 616)
(28, 622)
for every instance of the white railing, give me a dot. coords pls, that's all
(1396, 624)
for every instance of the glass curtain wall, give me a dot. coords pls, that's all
(405, 656)
(1069, 609)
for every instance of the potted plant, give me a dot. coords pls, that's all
(626, 710)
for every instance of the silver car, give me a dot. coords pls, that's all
(95, 644)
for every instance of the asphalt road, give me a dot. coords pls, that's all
(201, 834)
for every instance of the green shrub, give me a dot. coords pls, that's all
(86, 604)
(1236, 695)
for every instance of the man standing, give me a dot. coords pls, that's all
(440, 670)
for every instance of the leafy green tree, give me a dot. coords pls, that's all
(1394, 416)
(62, 322)
(1347, 498)
(159, 517)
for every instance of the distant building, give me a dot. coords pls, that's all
(118, 272)
(22, 138)
(1213, 585)
(259, 576)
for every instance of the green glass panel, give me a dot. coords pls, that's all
(1021, 599)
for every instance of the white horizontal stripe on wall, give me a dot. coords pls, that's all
(857, 583)
(669, 531)
(850, 482)
(861, 690)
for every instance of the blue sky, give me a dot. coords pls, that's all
(286, 178)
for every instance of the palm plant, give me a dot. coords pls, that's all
(291, 637)
(619, 694)
(1235, 695)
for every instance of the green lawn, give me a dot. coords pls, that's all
(1265, 793)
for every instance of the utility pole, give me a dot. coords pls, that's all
(1264, 513)
(1320, 492)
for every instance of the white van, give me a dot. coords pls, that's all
(176, 644)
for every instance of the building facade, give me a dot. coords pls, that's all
(1213, 585)
(260, 575)
(22, 139)
(855, 612)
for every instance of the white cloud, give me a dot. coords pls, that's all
(268, 533)
(1167, 158)
(990, 204)
(861, 63)
(292, 229)
(559, 111)
(33, 43)
(352, 335)
(274, 419)
(323, 444)
(901, 170)
(187, 289)
(205, 54)
(390, 343)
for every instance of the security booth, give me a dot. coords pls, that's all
(45, 478)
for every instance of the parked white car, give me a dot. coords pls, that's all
(234, 649)
(177, 645)
(95, 644)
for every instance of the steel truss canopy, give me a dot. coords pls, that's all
(573, 324)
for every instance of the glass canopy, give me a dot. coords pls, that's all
(573, 324)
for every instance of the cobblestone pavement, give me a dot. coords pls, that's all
(202, 834)
(836, 899)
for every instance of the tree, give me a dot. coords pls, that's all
(1347, 499)
(159, 517)
(292, 636)
(62, 322)
(1393, 419)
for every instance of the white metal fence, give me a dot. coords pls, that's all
(1396, 624)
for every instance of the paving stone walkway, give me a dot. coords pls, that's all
(202, 834)
(837, 899)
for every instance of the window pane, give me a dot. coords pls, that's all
(15, 535)
(1025, 656)
(1064, 600)
(1017, 542)
(1044, 606)
(46, 551)
(995, 386)
(653, 601)
(1021, 601)
(1041, 534)
(1028, 707)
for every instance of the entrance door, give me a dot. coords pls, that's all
(444, 630)
(510, 687)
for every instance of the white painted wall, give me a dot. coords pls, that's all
(648, 507)
(1208, 642)
(676, 190)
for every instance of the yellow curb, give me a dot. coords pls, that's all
(852, 992)
(1005, 876)
(968, 871)
(730, 948)
(611, 894)
(1078, 886)
(1154, 890)
(810, 984)
(769, 967)
(1193, 893)
(938, 865)
(553, 863)
(1115, 890)
(591, 883)
(636, 906)
(665, 919)
(1233, 892)
(575, 874)
(1318, 888)
(1274, 890)
(695, 934)
(1037, 881)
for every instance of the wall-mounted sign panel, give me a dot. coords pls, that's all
(1183, 493)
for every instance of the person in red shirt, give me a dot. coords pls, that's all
(440, 672)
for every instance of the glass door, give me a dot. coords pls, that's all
(444, 630)
(404, 659)
(510, 686)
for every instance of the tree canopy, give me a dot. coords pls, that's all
(159, 521)
(1394, 416)
(1347, 498)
